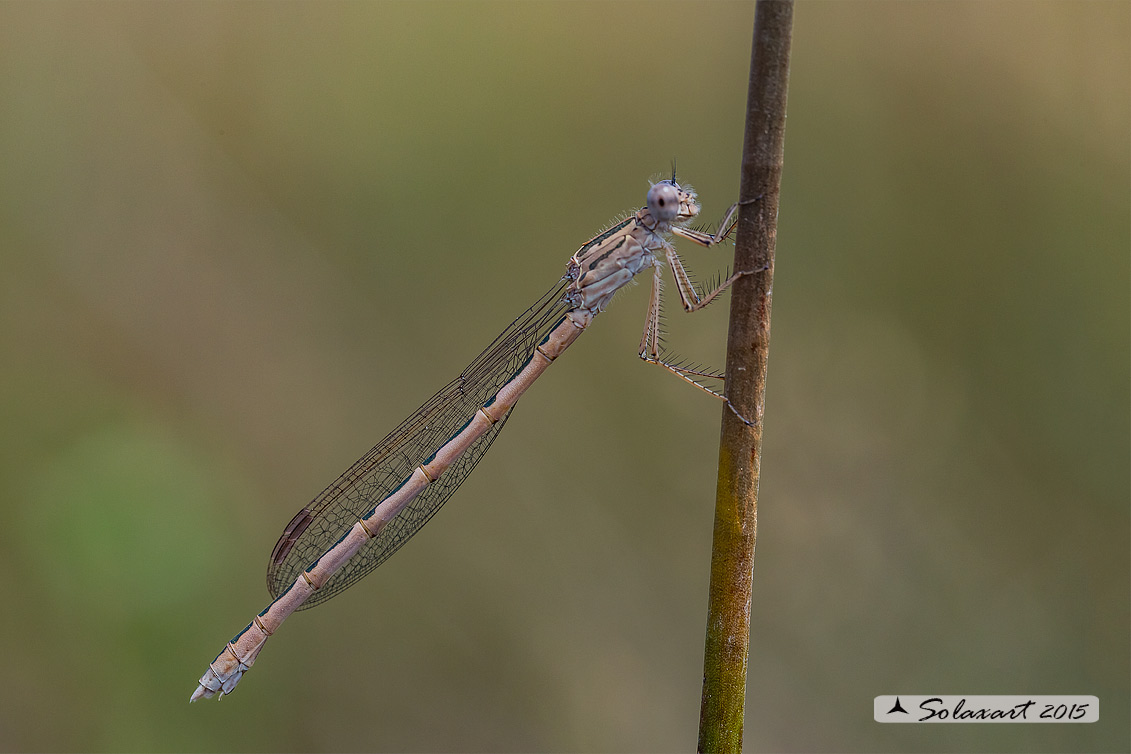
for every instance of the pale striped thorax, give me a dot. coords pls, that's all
(613, 257)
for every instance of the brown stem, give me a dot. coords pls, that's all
(740, 449)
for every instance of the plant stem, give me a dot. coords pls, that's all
(740, 448)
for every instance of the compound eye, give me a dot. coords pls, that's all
(663, 201)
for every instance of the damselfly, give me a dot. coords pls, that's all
(381, 501)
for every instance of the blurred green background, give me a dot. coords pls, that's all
(241, 241)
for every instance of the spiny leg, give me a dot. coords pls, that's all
(691, 298)
(651, 348)
(726, 227)
(651, 341)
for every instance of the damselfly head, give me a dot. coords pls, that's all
(671, 203)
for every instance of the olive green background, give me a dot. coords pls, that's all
(241, 241)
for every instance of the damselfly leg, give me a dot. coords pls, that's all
(693, 298)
